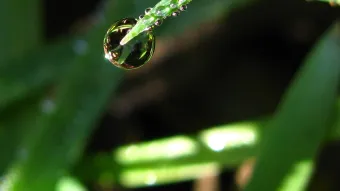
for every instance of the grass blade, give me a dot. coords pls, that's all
(21, 33)
(21, 30)
(60, 135)
(300, 125)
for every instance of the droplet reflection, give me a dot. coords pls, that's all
(133, 54)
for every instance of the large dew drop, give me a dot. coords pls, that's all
(133, 54)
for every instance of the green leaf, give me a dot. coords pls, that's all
(21, 33)
(335, 132)
(161, 10)
(21, 30)
(44, 69)
(199, 11)
(226, 146)
(13, 127)
(302, 120)
(23, 77)
(59, 136)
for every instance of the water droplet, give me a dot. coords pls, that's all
(148, 18)
(133, 54)
(183, 8)
(141, 16)
(158, 22)
(147, 10)
(173, 6)
(163, 11)
(175, 14)
(149, 29)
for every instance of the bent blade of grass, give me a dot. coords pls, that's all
(300, 125)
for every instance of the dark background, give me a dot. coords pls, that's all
(233, 68)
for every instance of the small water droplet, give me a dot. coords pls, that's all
(175, 14)
(148, 18)
(173, 6)
(133, 54)
(163, 11)
(147, 10)
(183, 8)
(158, 22)
(141, 16)
(149, 29)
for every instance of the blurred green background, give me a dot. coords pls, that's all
(65, 110)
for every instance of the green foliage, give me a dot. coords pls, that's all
(14, 46)
(149, 157)
(202, 10)
(19, 19)
(43, 134)
(298, 128)
(160, 11)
